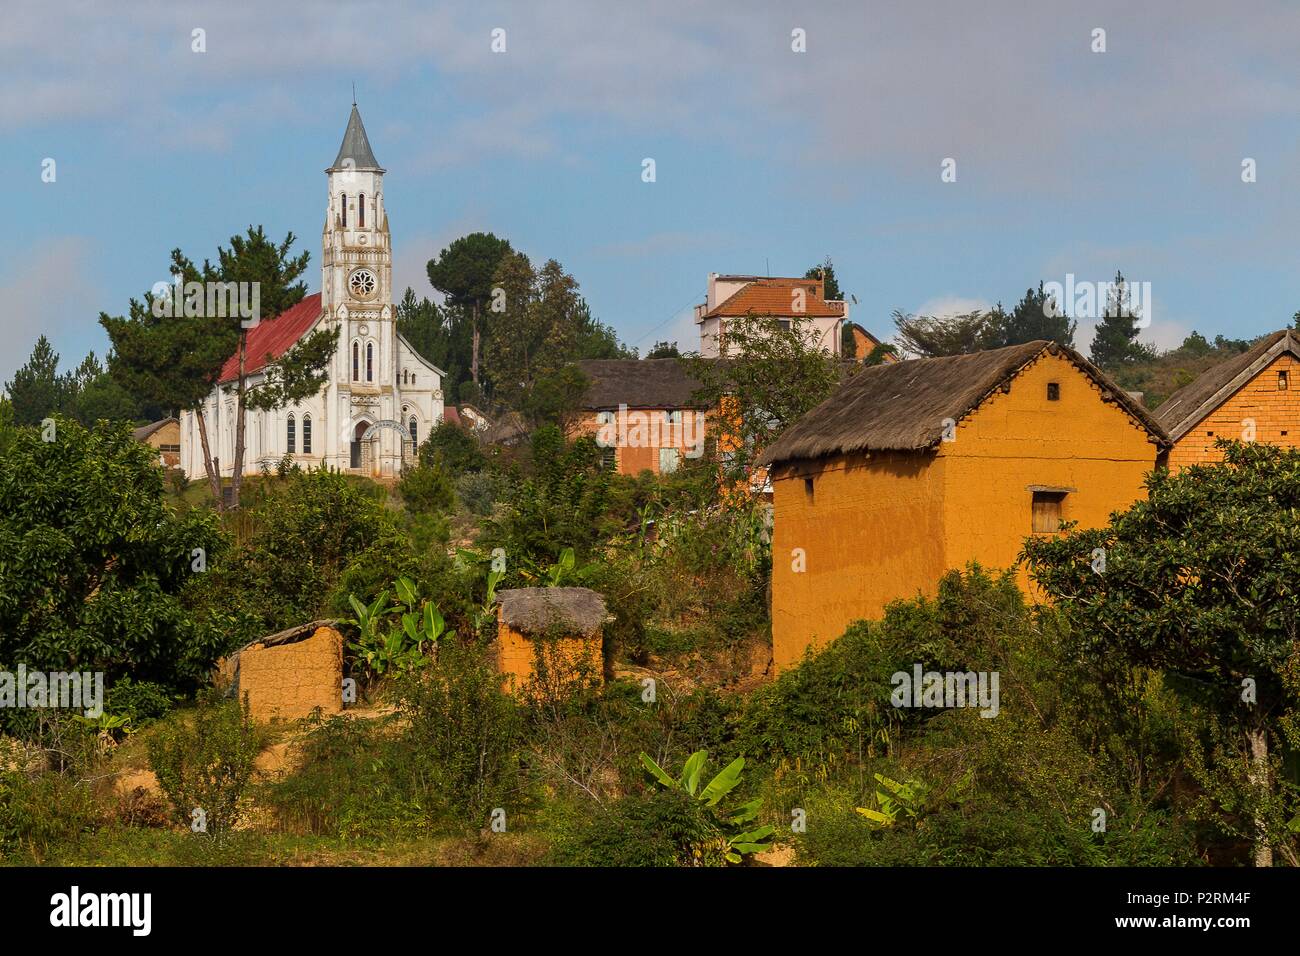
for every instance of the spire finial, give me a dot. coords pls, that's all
(354, 92)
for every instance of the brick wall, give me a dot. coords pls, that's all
(1275, 413)
(289, 681)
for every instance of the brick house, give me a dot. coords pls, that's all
(643, 413)
(1252, 397)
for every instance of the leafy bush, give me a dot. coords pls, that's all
(140, 702)
(659, 828)
(427, 489)
(311, 531)
(42, 810)
(204, 765)
(353, 779)
(93, 565)
(466, 730)
(452, 449)
(479, 491)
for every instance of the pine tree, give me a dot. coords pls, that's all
(37, 389)
(1036, 316)
(1115, 343)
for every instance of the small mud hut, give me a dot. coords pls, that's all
(289, 674)
(550, 634)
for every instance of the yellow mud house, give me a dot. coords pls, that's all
(1252, 397)
(916, 467)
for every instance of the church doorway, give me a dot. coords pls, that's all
(358, 436)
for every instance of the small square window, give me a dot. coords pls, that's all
(1209, 434)
(1053, 391)
(1047, 511)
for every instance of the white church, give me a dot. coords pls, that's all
(381, 398)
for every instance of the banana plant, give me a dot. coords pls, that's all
(737, 841)
(902, 800)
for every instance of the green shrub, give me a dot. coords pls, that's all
(93, 564)
(427, 489)
(311, 530)
(453, 449)
(354, 779)
(204, 764)
(479, 491)
(659, 828)
(141, 702)
(466, 731)
(42, 810)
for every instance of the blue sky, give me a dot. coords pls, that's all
(767, 160)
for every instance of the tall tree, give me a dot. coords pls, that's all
(771, 378)
(1036, 316)
(545, 326)
(826, 272)
(463, 272)
(176, 360)
(1115, 343)
(1198, 580)
(928, 336)
(36, 390)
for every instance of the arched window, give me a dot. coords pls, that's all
(370, 361)
(306, 434)
(290, 442)
(361, 210)
(356, 362)
(414, 427)
(345, 210)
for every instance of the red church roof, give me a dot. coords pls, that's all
(271, 338)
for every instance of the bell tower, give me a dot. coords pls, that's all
(357, 259)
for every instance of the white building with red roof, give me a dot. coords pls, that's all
(785, 300)
(382, 397)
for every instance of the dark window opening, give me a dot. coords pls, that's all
(1053, 391)
(289, 436)
(361, 210)
(306, 434)
(1282, 381)
(808, 490)
(1047, 511)
(344, 197)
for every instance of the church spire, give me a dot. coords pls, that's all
(355, 146)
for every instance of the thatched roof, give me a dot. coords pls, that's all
(902, 406)
(1191, 403)
(506, 430)
(638, 383)
(144, 431)
(565, 611)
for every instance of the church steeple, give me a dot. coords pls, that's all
(355, 151)
(356, 261)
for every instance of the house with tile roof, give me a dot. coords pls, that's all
(1250, 397)
(785, 300)
(381, 397)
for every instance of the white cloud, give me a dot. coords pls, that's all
(51, 280)
(949, 305)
